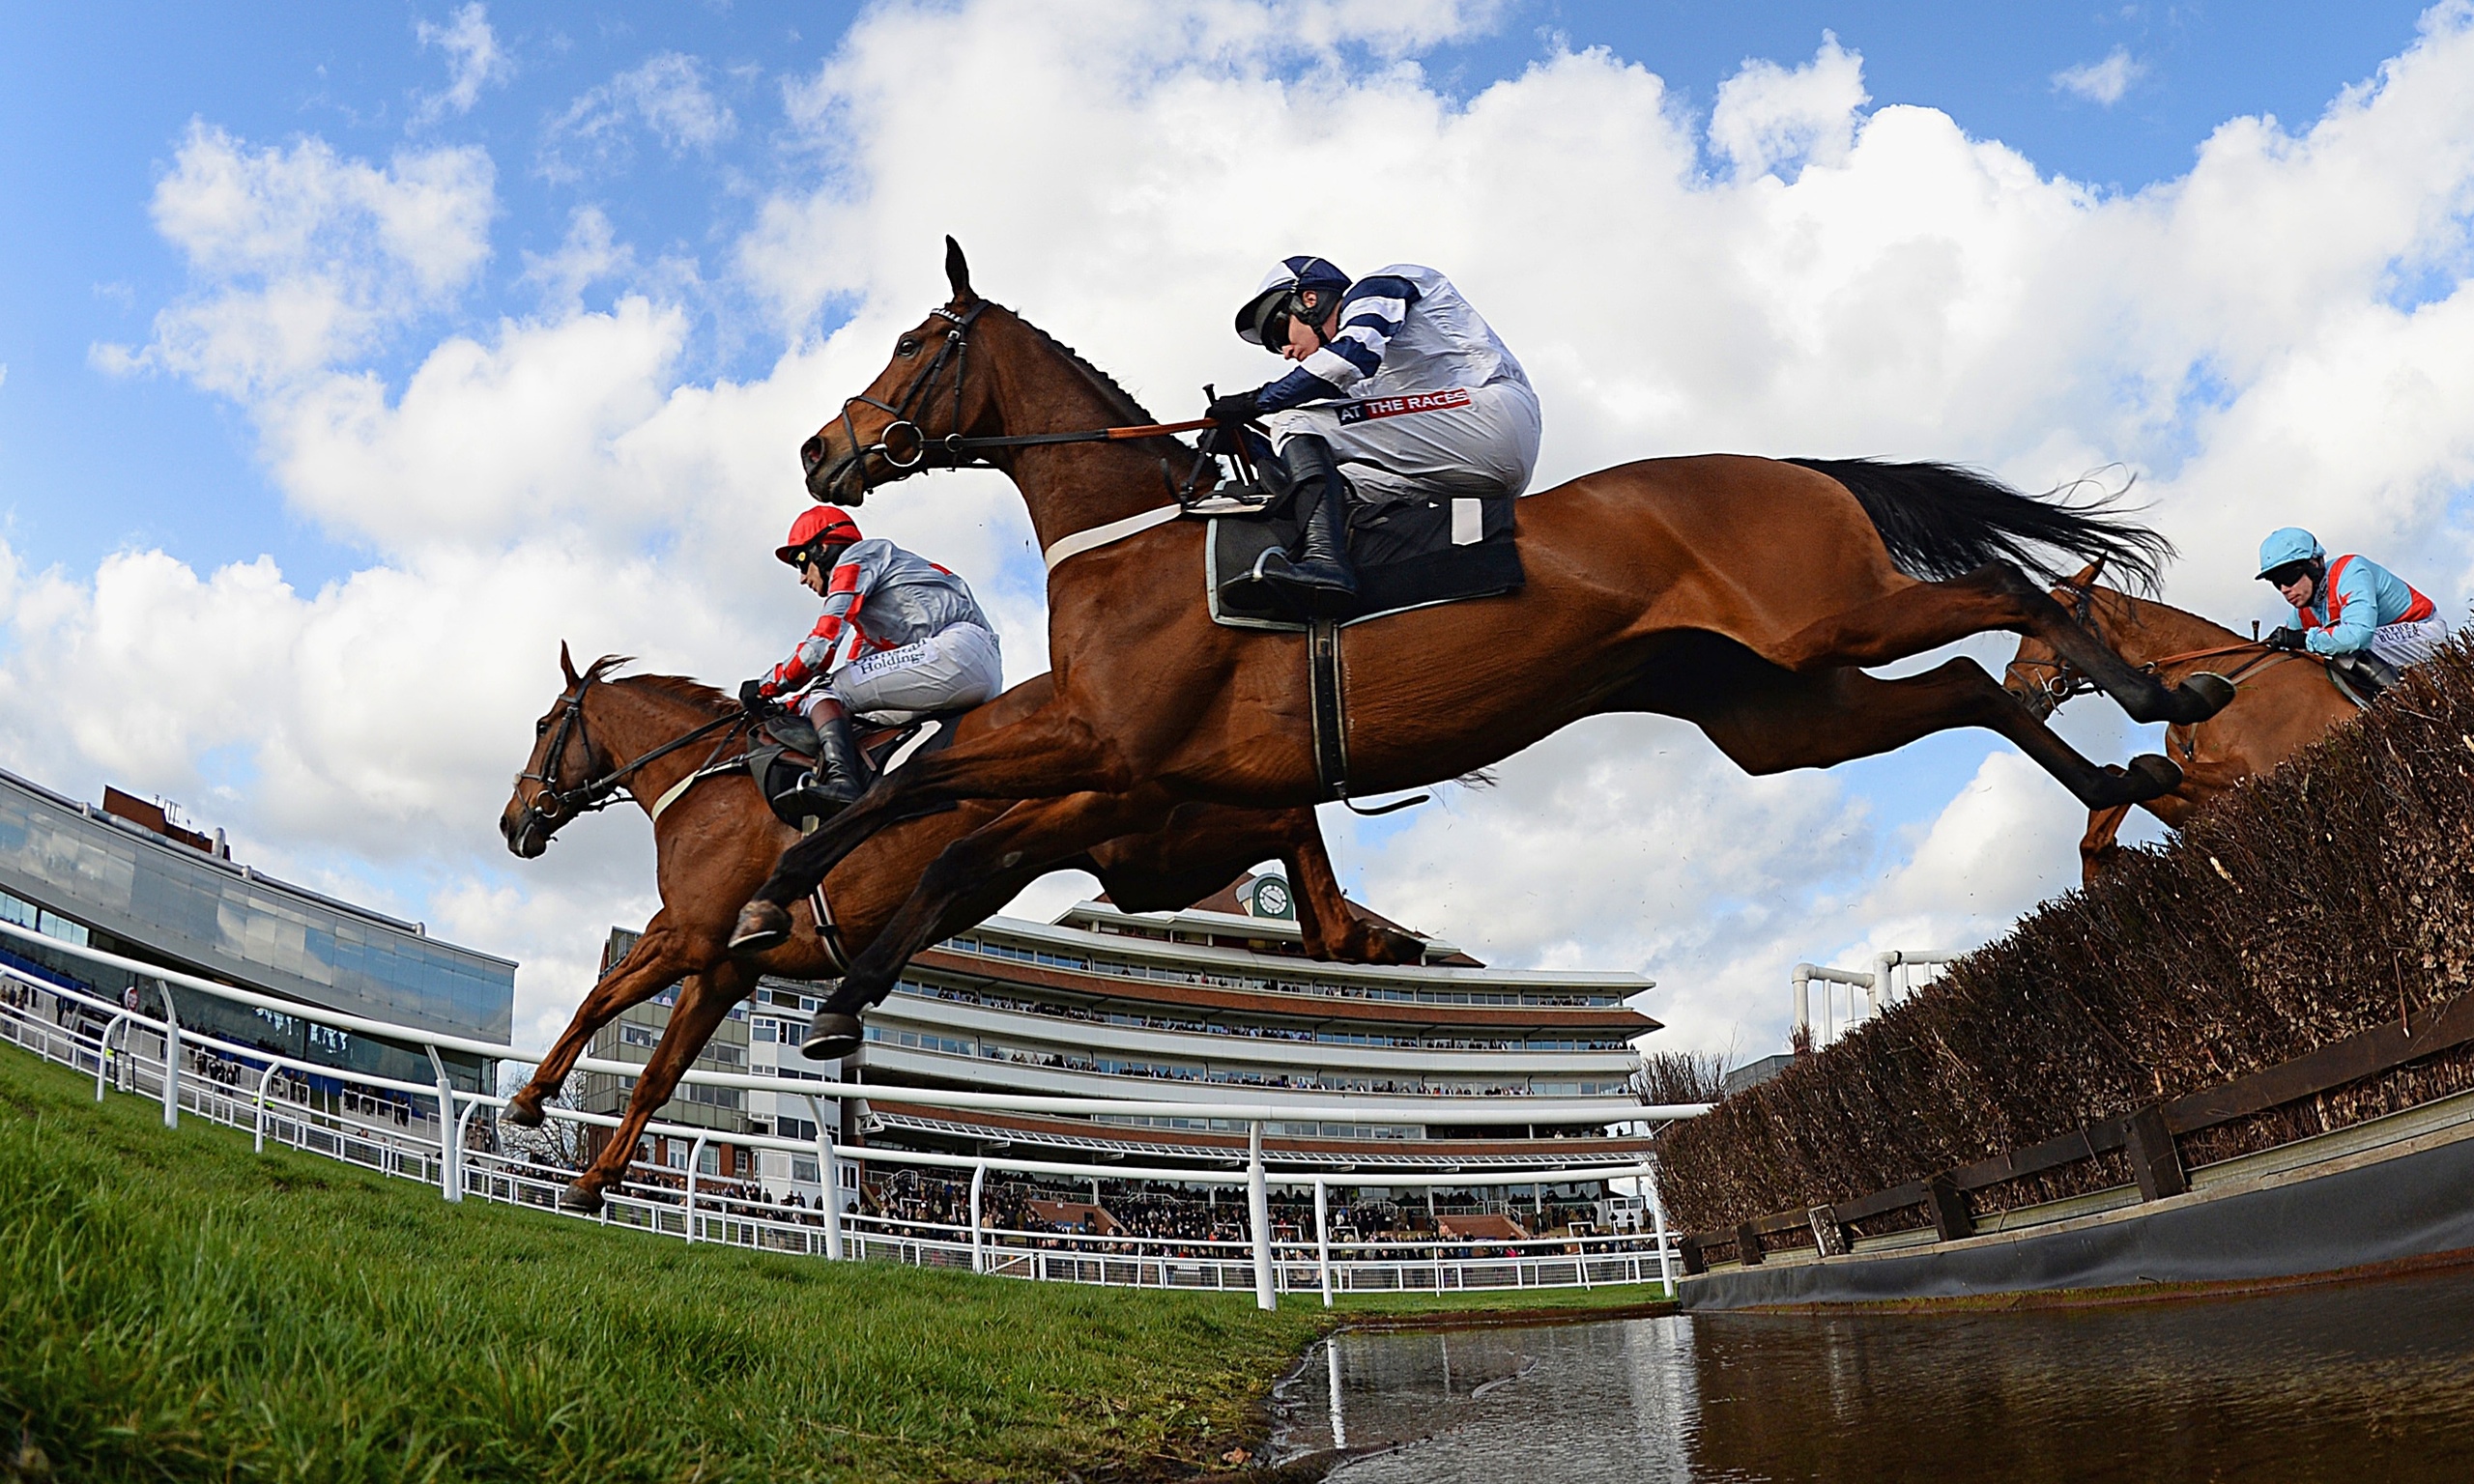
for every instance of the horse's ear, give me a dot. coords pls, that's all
(958, 272)
(568, 665)
(2089, 573)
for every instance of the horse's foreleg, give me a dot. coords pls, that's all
(1930, 614)
(1029, 839)
(659, 959)
(1769, 725)
(703, 1006)
(2098, 846)
(1331, 928)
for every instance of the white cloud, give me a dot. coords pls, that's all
(1797, 276)
(303, 257)
(1767, 116)
(666, 96)
(474, 61)
(2102, 83)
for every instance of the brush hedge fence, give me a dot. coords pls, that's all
(2327, 898)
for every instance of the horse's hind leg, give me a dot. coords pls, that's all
(703, 1006)
(1930, 614)
(1770, 723)
(659, 959)
(1202, 846)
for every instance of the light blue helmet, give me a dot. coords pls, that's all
(2284, 547)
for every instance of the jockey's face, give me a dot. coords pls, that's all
(1303, 341)
(2298, 591)
(818, 570)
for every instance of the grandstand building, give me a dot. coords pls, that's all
(128, 879)
(1213, 1004)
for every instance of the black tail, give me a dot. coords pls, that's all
(1940, 522)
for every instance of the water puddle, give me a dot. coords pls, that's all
(2362, 1382)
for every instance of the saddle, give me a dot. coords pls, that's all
(1410, 553)
(2362, 677)
(784, 745)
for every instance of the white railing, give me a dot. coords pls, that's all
(139, 1054)
(1885, 985)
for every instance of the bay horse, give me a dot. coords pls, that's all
(716, 840)
(2283, 702)
(1742, 594)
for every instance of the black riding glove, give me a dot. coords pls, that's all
(2285, 638)
(1233, 409)
(751, 695)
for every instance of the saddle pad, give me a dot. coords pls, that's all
(1409, 554)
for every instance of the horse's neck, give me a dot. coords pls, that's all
(1071, 487)
(631, 720)
(2142, 631)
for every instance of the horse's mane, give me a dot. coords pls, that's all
(1126, 407)
(694, 692)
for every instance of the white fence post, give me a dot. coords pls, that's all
(1323, 1236)
(828, 1168)
(978, 1246)
(694, 1162)
(1647, 1188)
(258, 1142)
(103, 1049)
(1258, 1200)
(450, 1163)
(171, 1061)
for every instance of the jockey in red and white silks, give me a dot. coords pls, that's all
(901, 638)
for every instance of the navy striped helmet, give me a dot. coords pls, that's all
(1276, 296)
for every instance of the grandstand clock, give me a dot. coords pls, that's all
(1272, 898)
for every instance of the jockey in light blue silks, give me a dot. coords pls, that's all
(2351, 606)
(1401, 389)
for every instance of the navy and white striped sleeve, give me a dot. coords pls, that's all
(1371, 315)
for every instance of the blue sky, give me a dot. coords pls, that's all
(98, 97)
(314, 592)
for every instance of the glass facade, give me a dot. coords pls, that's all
(228, 922)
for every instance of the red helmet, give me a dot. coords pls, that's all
(827, 524)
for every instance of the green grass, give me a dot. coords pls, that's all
(173, 1306)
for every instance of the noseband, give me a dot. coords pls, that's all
(905, 413)
(602, 790)
(2062, 679)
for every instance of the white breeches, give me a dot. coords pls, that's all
(2409, 644)
(1481, 441)
(946, 671)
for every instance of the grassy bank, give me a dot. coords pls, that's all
(173, 1306)
(2334, 895)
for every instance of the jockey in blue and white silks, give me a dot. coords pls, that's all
(1401, 388)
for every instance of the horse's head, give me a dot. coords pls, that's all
(557, 780)
(2037, 674)
(895, 428)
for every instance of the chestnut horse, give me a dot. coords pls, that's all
(2283, 702)
(1743, 595)
(716, 840)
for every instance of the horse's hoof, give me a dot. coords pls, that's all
(761, 927)
(836, 1037)
(2159, 775)
(523, 1112)
(2209, 689)
(581, 1195)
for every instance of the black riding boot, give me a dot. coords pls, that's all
(840, 775)
(1318, 582)
(2366, 672)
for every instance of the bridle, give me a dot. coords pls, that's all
(908, 449)
(599, 790)
(2063, 680)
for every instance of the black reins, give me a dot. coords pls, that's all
(915, 451)
(601, 792)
